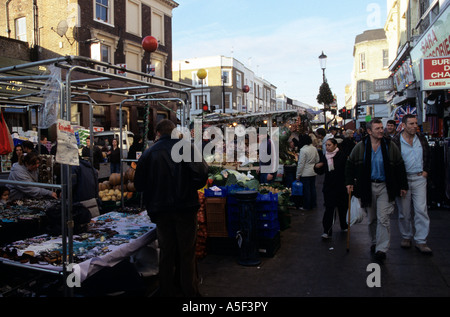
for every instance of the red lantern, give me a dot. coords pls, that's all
(246, 88)
(149, 43)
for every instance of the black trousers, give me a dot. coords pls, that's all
(177, 233)
(327, 220)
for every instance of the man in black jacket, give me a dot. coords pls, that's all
(169, 188)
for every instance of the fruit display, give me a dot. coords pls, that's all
(110, 190)
(200, 250)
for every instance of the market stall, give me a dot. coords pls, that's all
(56, 86)
(110, 238)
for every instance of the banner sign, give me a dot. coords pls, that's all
(435, 73)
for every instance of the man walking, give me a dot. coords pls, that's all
(415, 152)
(169, 188)
(390, 130)
(375, 172)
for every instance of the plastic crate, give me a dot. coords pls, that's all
(267, 247)
(267, 202)
(216, 217)
(213, 193)
(267, 215)
(268, 229)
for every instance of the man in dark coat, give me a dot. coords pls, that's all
(376, 173)
(169, 187)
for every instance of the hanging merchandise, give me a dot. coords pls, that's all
(6, 141)
(51, 91)
(67, 150)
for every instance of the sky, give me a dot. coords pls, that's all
(279, 40)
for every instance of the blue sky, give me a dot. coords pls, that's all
(279, 40)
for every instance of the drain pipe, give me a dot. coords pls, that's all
(8, 30)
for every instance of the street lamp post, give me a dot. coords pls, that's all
(201, 74)
(323, 65)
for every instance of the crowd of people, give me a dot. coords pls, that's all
(383, 168)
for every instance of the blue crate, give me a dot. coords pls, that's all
(270, 231)
(268, 224)
(212, 193)
(267, 198)
(267, 215)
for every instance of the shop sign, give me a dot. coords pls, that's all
(404, 76)
(435, 73)
(434, 43)
(386, 84)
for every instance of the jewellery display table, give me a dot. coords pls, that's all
(109, 239)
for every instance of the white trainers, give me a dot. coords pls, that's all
(325, 236)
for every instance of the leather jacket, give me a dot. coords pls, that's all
(168, 186)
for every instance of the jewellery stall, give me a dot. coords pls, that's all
(113, 236)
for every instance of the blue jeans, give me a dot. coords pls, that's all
(309, 192)
(114, 167)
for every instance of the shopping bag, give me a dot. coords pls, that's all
(357, 213)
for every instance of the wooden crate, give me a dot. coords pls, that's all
(216, 216)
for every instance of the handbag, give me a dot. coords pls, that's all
(356, 212)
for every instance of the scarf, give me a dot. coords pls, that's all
(330, 161)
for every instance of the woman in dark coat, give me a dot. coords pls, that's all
(332, 164)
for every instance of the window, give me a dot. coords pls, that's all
(226, 78)
(21, 29)
(197, 81)
(101, 52)
(363, 91)
(105, 53)
(198, 101)
(103, 11)
(157, 24)
(362, 61)
(385, 58)
(133, 18)
(238, 80)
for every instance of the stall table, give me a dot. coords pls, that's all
(109, 239)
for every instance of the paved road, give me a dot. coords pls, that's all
(307, 266)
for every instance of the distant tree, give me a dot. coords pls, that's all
(325, 96)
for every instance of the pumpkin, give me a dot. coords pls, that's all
(129, 174)
(114, 179)
(107, 185)
(130, 187)
(129, 195)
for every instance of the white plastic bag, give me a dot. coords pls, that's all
(356, 212)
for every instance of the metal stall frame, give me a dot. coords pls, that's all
(67, 87)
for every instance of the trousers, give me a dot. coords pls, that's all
(177, 233)
(378, 217)
(309, 192)
(413, 219)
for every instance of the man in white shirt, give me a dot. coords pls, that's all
(415, 152)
